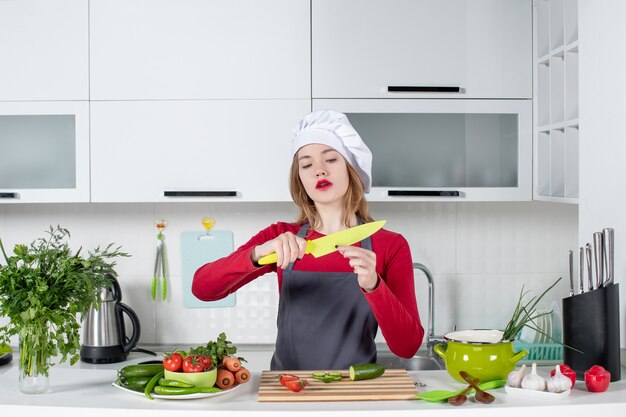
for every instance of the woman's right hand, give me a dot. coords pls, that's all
(288, 248)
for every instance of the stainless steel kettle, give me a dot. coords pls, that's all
(104, 334)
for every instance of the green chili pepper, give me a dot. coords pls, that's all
(151, 385)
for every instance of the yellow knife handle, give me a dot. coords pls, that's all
(272, 258)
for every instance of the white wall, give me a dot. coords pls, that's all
(480, 254)
(602, 141)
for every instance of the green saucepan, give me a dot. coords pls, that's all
(480, 353)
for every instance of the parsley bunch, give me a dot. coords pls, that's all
(45, 290)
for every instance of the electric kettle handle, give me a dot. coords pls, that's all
(134, 338)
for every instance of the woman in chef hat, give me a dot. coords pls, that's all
(330, 307)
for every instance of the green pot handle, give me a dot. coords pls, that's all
(519, 355)
(441, 349)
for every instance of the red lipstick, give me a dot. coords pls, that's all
(323, 184)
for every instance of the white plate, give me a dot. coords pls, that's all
(530, 393)
(179, 397)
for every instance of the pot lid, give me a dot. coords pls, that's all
(481, 336)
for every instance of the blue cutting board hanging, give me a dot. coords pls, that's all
(195, 253)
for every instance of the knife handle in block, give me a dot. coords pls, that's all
(272, 258)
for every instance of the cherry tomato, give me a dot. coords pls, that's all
(283, 378)
(173, 362)
(205, 361)
(296, 385)
(567, 371)
(597, 379)
(191, 364)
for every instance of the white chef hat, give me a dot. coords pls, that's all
(332, 128)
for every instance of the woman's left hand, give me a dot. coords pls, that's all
(363, 262)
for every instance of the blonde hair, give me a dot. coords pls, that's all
(354, 202)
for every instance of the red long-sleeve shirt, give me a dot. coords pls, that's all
(392, 301)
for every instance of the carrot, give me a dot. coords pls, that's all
(225, 379)
(242, 375)
(232, 364)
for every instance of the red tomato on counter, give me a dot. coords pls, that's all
(173, 362)
(597, 379)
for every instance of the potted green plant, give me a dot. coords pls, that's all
(45, 289)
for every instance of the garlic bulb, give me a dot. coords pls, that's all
(515, 377)
(559, 382)
(534, 381)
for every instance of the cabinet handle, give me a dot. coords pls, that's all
(200, 193)
(422, 89)
(422, 193)
(8, 195)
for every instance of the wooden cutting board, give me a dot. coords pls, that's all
(394, 384)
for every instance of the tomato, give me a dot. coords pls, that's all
(283, 378)
(296, 385)
(597, 379)
(205, 361)
(567, 371)
(191, 364)
(173, 362)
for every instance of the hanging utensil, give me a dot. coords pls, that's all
(207, 223)
(598, 248)
(160, 264)
(608, 236)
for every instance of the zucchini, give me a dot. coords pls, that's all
(132, 371)
(366, 371)
(137, 383)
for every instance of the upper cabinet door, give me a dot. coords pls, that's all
(192, 150)
(44, 50)
(200, 49)
(425, 48)
(44, 152)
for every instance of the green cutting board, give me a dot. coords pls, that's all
(195, 251)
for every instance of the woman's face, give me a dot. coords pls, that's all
(323, 173)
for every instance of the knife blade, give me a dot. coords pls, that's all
(327, 244)
(571, 273)
(589, 266)
(599, 258)
(608, 236)
(581, 269)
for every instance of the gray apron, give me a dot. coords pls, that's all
(324, 321)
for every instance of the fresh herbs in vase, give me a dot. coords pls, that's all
(45, 290)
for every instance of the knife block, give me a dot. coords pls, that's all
(591, 325)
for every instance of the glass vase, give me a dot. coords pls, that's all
(33, 363)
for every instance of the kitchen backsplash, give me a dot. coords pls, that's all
(480, 255)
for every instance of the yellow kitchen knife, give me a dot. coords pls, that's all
(327, 244)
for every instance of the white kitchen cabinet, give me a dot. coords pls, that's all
(556, 110)
(444, 150)
(44, 152)
(197, 150)
(44, 50)
(424, 48)
(200, 49)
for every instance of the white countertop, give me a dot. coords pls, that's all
(85, 390)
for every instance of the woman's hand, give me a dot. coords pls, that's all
(288, 248)
(363, 262)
